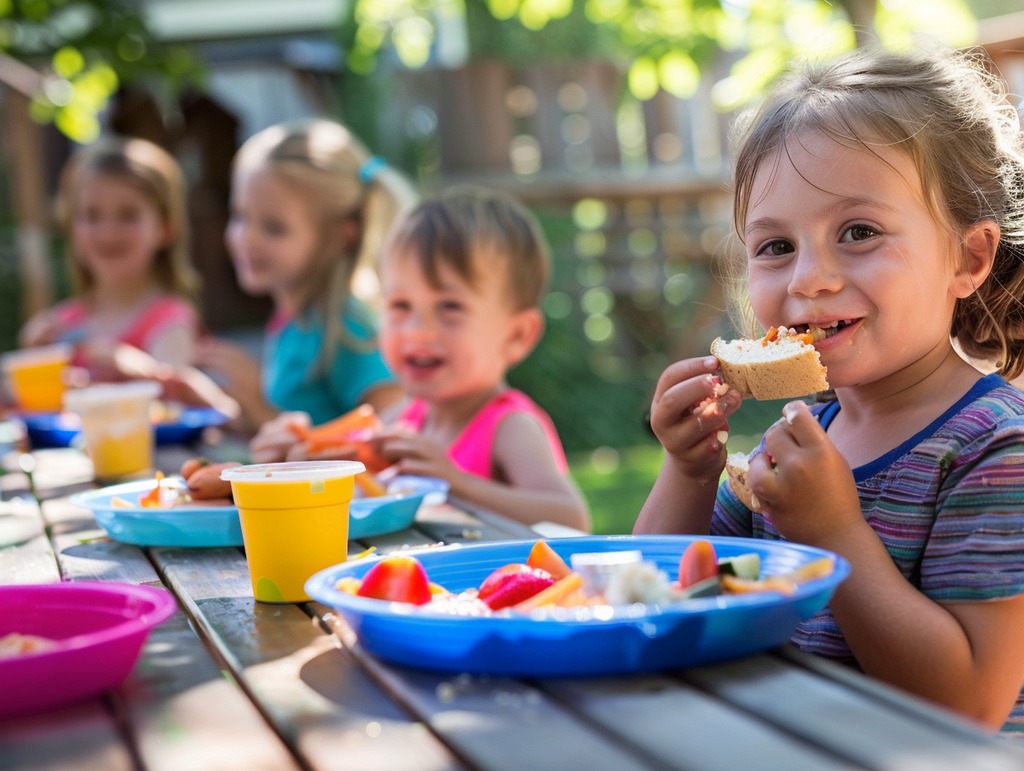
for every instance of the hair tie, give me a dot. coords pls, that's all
(371, 168)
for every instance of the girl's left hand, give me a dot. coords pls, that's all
(415, 454)
(803, 482)
(275, 440)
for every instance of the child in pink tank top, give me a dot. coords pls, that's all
(462, 277)
(121, 207)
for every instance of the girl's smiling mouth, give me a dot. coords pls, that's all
(825, 330)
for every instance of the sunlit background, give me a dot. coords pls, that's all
(609, 118)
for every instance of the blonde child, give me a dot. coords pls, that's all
(880, 201)
(121, 206)
(462, 277)
(309, 207)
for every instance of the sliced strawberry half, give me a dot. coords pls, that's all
(512, 584)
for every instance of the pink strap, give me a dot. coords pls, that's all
(473, 450)
(165, 312)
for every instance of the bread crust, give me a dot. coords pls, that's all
(737, 465)
(783, 368)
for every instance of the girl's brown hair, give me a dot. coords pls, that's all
(951, 114)
(157, 175)
(467, 223)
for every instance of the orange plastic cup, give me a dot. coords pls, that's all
(118, 434)
(294, 519)
(36, 376)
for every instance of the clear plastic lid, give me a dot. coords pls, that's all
(42, 354)
(295, 471)
(104, 393)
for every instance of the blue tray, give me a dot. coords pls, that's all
(60, 429)
(369, 517)
(578, 641)
(202, 526)
(187, 525)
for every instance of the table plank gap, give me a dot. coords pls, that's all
(495, 723)
(684, 728)
(311, 692)
(89, 740)
(837, 719)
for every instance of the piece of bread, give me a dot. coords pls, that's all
(780, 365)
(737, 464)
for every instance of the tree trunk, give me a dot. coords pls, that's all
(28, 182)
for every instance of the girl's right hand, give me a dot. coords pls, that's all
(690, 416)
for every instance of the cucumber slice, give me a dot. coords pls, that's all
(741, 566)
(709, 587)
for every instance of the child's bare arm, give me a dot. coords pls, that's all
(41, 329)
(689, 414)
(532, 489)
(232, 368)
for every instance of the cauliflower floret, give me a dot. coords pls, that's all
(638, 582)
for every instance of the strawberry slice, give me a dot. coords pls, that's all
(513, 583)
(398, 578)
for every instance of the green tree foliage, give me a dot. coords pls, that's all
(664, 42)
(83, 50)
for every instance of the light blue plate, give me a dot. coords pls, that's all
(183, 525)
(195, 525)
(369, 517)
(579, 641)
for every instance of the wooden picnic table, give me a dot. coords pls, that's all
(229, 683)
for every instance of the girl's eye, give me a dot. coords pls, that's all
(451, 306)
(774, 249)
(274, 228)
(858, 233)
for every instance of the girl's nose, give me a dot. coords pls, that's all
(814, 271)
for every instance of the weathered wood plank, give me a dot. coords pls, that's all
(680, 727)
(825, 713)
(317, 698)
(495, 723)
(85, 552)
(184, 713)
(83, 737)
(26, 556)
(176, 705)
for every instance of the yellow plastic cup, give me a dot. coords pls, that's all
(294, 519)
(36, 376)
(116, 427)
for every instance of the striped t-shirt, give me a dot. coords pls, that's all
(948, 504)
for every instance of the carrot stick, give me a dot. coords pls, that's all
(336, 431)
(552, 595)
(544, 557)
(369, 485)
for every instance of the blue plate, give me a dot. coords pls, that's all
(579, 641)
(183, 525)
(195, 525)
(396, 511)
(60, 429)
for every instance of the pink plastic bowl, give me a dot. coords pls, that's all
(99, 629)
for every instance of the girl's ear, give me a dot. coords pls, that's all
(525, 330)
(980, 242)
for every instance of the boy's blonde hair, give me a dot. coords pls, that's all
(157, 175)
(341, 182)
(469, 223)
(952, 117)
